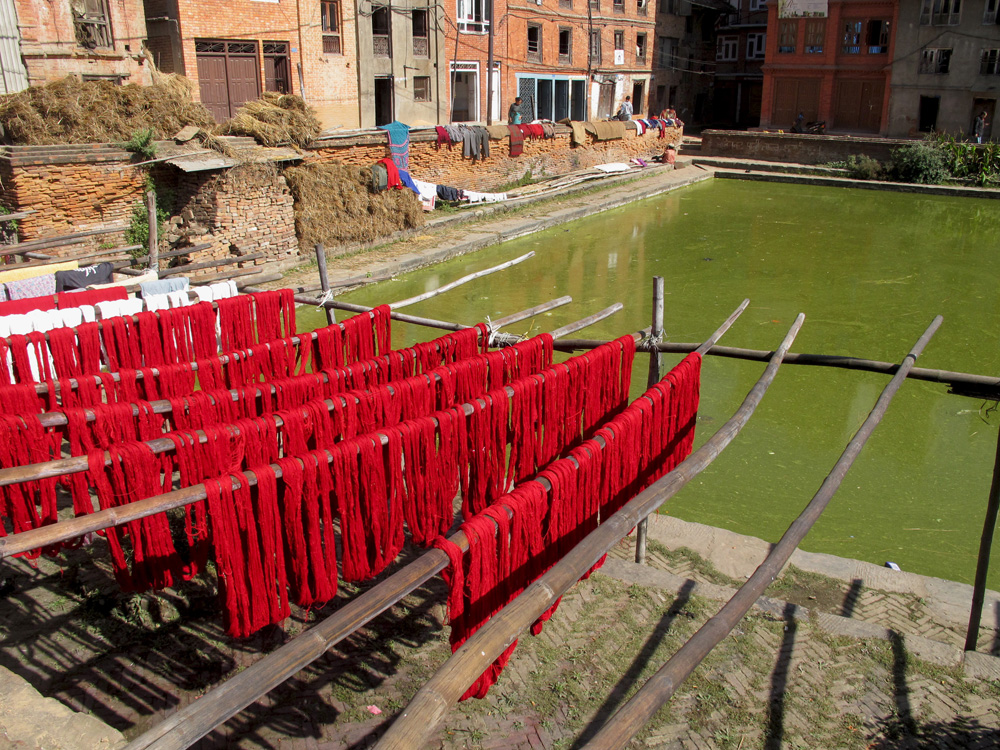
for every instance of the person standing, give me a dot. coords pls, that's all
(514, 113)
(979, 127)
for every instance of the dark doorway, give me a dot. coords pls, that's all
(578, 100)
(383, 101)
(561, 100)
(984, 105)
(638, 92)
(464, 95)
(929, 107)
(277, 68)
(544, 99)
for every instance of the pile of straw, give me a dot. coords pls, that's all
(334, 205)
(275, 120)
(72, 111)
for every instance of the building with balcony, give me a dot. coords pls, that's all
(401, 75)
(946, 66)
(42, 41)
(564, 58)
(834, 68)
(237, 49)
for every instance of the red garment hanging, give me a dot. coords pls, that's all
(66, 300)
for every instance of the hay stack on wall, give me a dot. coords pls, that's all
(334, 205)
(73, 111)
(275, 120)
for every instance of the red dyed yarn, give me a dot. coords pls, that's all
(134, 474)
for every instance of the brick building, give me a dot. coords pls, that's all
(946, 67)
(739, 80)
(684, 57)
(401, 75)
(42, 40)
(834, 67)
(562, 57)
(234, 50)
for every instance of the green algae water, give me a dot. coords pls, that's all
(869, 269)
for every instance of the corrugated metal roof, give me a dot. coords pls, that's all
(192, 156)
(13, 75)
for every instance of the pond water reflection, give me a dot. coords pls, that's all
(870, 270)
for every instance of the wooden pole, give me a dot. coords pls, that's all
(154, 240)
(193, 722)
(983, 563)
(428, 707)
(588, 321)
(324, 282)
(655, 363)
(984, 386)
(458, 282)
(662, 685)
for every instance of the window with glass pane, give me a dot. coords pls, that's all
(851, 42)
(787, 32)
(534, 43)
(815, 32)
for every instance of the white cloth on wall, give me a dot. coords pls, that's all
(156, 302)
(179, 299)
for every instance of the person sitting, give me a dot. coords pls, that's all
(625, 110)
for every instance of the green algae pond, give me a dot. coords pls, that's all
(869, 270)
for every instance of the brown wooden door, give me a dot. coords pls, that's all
(606, 100)
(213, 87)
(243, 84)
(858, 106)
(792, 96)
(228, 75)
(277, 68)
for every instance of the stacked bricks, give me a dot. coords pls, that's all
(71, 189)
(75, 188)
(245, 210)
(543, 157)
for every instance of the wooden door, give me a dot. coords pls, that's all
(606, 100)
(277, 68)
(792, 96)
(858, 106)
(213, 87)
(243, 83)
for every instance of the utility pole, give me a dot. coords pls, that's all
(490, 114)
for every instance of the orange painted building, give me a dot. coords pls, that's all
(834, 69)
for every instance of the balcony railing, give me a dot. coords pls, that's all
(380, 45)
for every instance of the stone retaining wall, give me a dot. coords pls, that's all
(542, 157)
(249, 209)
(795, 148)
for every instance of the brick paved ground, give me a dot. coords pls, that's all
(786, 678)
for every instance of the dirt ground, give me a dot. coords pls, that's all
(779, 681)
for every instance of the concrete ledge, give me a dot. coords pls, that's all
(738, 556)
(28, 720)
(896, 187)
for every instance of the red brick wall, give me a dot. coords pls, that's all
(543, 157)
(50, 49)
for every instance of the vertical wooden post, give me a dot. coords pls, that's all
(983, 565)
(331, 316)
(154, 240)
(655, 364)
